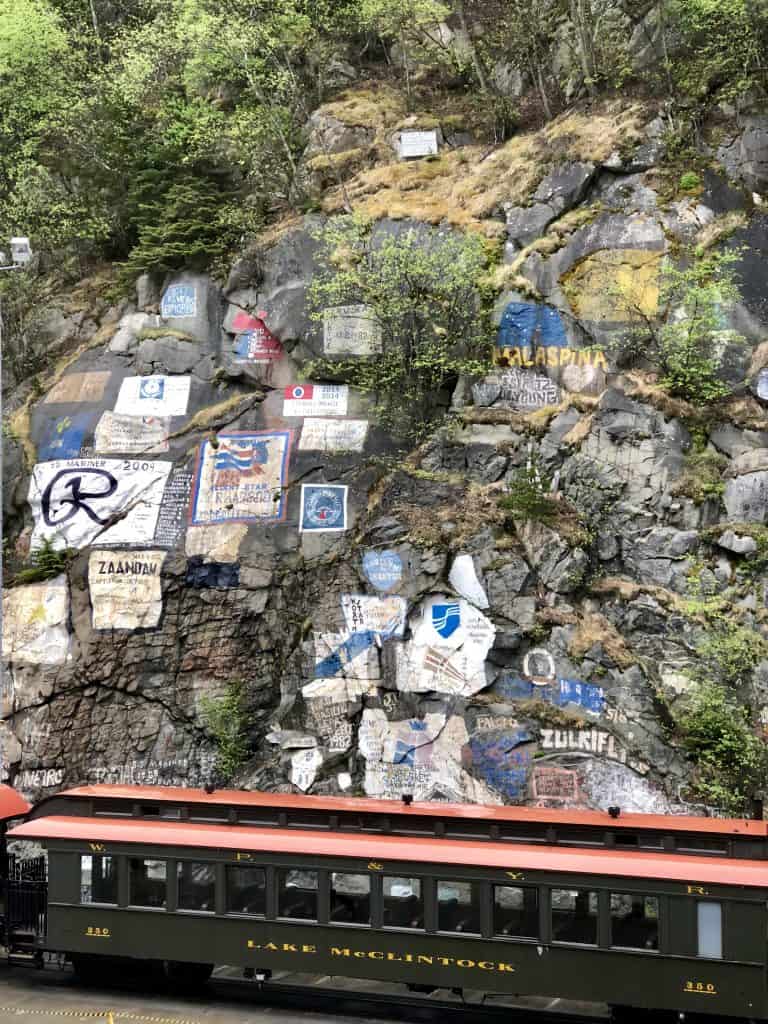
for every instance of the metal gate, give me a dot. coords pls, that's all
(26, 913)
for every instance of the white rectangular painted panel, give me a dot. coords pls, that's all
(710, 926)
(414, 144)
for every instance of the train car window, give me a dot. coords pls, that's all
(695, 844)
(403, 902)
(350, 898)
(458, 907)
(574, 916)
(196, 886)
(114, 808)
(516, 911)
(297, 894)
(634, 921)
(170, 812)
(246, 890)
(147, 882)
(98, 879)
(710, 929)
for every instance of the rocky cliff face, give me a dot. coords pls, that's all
(372, 620)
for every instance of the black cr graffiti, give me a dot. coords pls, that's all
(71, 490)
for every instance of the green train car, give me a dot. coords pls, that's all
(636, 911)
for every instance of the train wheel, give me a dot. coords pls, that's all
(187, 975)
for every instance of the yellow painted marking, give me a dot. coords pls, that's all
(111, 1016)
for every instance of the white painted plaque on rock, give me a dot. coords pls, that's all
(315, 400)
(413, 144)
(326, 435)
(153, 396)
(382, 615)
(351, 330)
(126, 590)
(35, 623)
(77, 501)
(132, 435)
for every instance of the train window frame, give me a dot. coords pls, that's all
(169, 899)
(116, 879)
(350, 924)
(516, 937)
(228, 911)
(634, 897)
(598, 914)
(478, 893)
(422, 898)
(178, 872)
(321, 878)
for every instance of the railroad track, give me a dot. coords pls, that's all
(314, 999)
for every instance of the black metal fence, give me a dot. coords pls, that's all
(30, 869)
(26, 911)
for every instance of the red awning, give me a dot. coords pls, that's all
(495, 814)
(12, 804)
(421, 853)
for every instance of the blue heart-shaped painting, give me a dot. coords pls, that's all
(383, 569)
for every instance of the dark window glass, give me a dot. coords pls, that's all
(458, 907)
(697, 844)
(196, 886)
(574, 916)
(98, 879)
(634, 921)
(515, 911)
(147, 880)
(246, 890)
(403, 902)
(350, 898)
(297, 894)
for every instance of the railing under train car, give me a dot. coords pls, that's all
(25, 903)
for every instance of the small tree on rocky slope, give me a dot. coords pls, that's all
(689, 335)
(426, 291)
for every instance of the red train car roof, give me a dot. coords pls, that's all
(12, 804)
(417, 852)
(496, 814)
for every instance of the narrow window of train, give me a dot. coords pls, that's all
(350, 898)
(458, 907)
(634, 921)
(516, 911)
(574, 916)
(147, 882)
(195, 886)
(246, 890)
(709, 919)
(98, 879)
(403, 902)
(297, 894)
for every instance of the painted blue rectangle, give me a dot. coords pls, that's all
(323, 508)
(179, 301)
(66, 437)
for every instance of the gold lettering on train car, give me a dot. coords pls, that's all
(420, 959)
(284, 947)
(702, 988)
(373, 865)
(516, 876)
(697, 890)
(243, 856)
(98, 933)
(97, 847)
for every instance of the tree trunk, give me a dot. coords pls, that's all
(477, 64)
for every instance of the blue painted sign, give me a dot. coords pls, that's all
(383, 569)
(179, 301)
(497, 761)
(559, 692)
(525, 324)
(323, 508)
(66, 438)
(353, 646)
(446, 618)
(152, 387)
